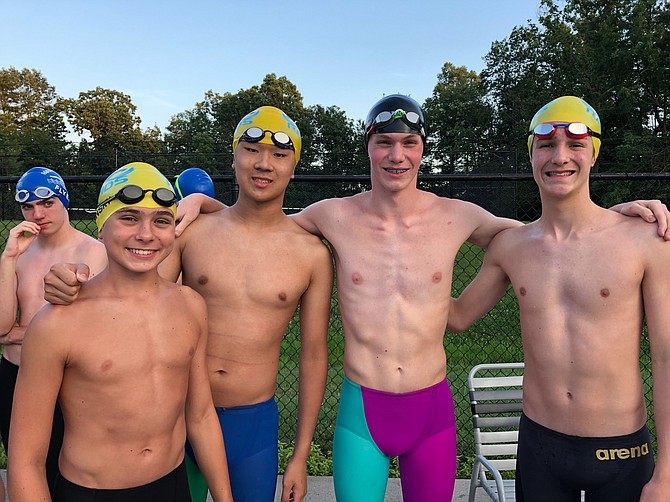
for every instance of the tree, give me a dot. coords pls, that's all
(32, 127)
(109, 118)
(459, 119)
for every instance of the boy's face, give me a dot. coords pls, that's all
(561, 163)
(49, 214)
(263, 171)
(394, 159)
(139, 238)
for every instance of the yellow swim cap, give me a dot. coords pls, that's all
(567, 109)
(139, 174)
(269, 118)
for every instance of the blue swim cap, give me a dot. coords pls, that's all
(41, 183)
(193, 180)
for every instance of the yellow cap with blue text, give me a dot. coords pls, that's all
(567, 109)
(140, 174)
(272, 119)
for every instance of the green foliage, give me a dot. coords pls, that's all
(319, 463)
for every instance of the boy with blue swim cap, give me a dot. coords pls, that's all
(33, 246)
(586, 279)
(128, 367)
(41, 183)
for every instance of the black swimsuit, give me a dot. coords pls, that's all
(555, 467)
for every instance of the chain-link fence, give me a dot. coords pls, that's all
(495, 338)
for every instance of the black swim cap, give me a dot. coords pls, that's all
(395, 113)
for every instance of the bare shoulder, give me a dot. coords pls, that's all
(327, 209)
(638, 232)
(88, 246)
(302, 242)
(200, 225)
(53, 325)
(188, 296)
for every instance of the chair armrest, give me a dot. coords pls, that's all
(481, 460)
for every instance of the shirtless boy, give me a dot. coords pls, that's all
(254, 266)
(44, 237)
(127, 364)
(586, 278)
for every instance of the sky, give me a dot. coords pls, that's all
(167, 54)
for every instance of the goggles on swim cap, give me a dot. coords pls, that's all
(132, 194)
(412, 119)
(279, 138)
(39, 192)
(574, 130)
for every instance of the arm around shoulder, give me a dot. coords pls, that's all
(487, 226)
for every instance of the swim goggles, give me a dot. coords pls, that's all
(412, 119)
(132, 194)
(280, 139)
(574, 130)
(39, 192)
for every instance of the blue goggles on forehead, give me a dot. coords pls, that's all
(39, 192)
(280, 138)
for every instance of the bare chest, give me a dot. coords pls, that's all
(265, 272)
(396, 260)
(125, 343)
(585, 276)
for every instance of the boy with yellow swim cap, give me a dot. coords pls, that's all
(132, 382)
(586, 278)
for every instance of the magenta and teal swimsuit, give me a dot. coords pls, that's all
(372, 426)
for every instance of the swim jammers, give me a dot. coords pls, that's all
(372, 426)
(250, 434)
(8, 374)
(172, 487)
(555, 467)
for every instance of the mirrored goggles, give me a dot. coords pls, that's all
(39, 192)
(279, 138)
(132, 194)
(412, 119)
(574, 130)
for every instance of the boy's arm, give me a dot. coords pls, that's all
(40, 376)
(310, 218)
(655, 294)
(650, 211)
(202, 425)
(486, 225)
(482, 294)
(18, 240)
(314, 319)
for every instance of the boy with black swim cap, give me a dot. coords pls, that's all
(126, 362)
(586, 279)
(44, 237)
